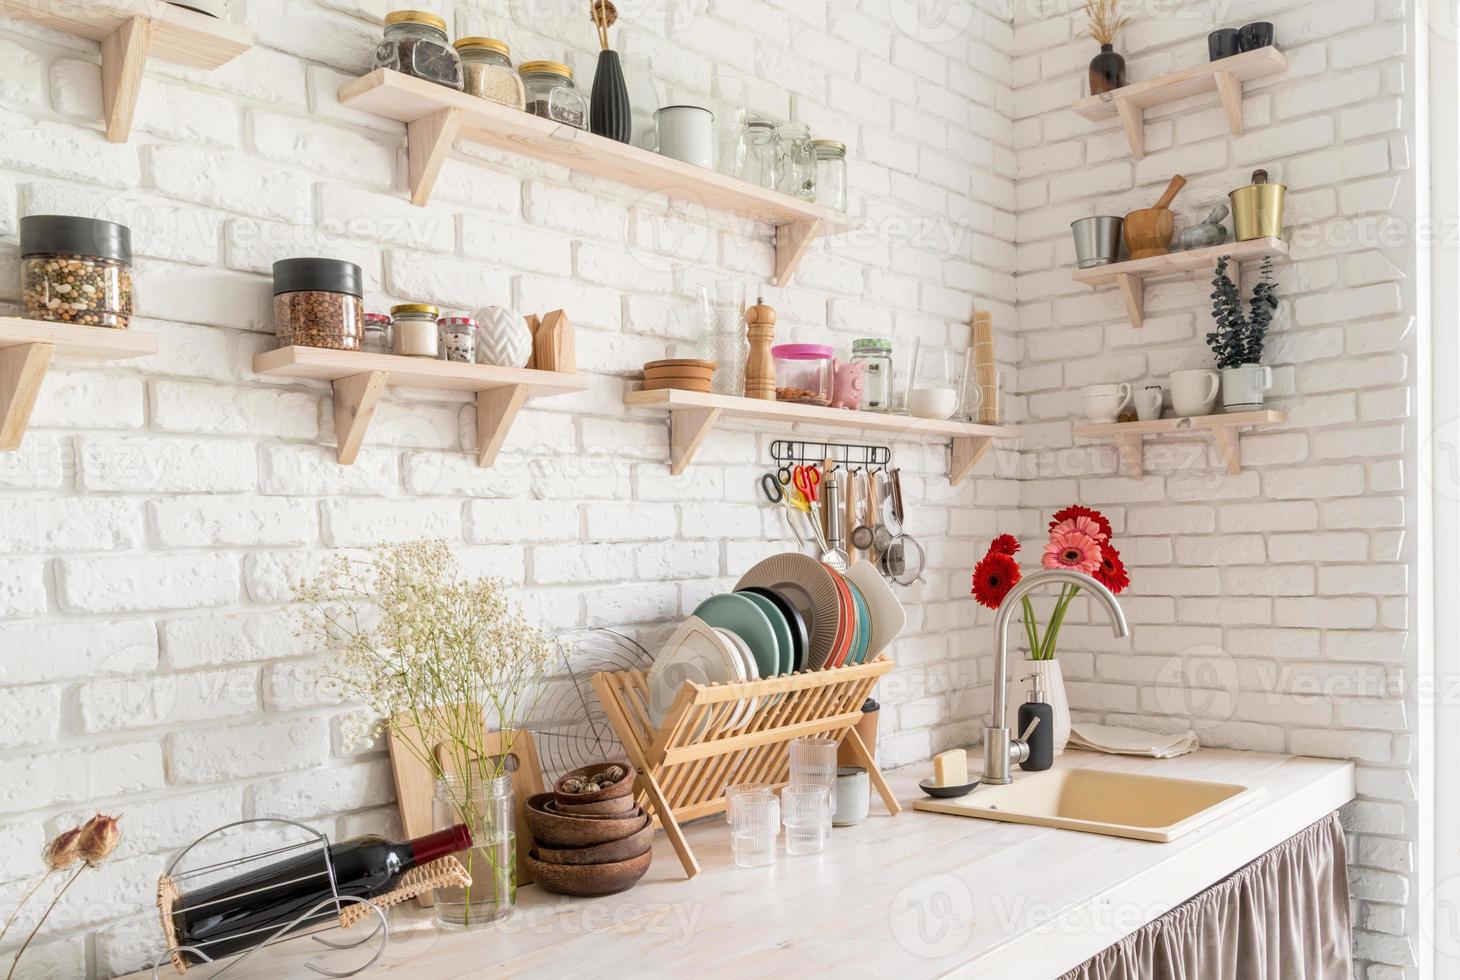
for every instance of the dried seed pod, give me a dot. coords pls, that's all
(603, 12)
(62, 852)
(99, 838)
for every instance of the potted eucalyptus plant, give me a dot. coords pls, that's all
(1239, 337)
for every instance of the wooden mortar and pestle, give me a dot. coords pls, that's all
(1148, 231)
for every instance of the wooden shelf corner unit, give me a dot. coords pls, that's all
(1130, 276)
(26, 347)
(1226, 77)
(1129, 436)
(692, 415)
(436, 116)
(130, 32)
(685, 763)
(360, 378)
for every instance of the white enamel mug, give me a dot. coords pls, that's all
(1194, 393)
(686, 132)
(1104, 403)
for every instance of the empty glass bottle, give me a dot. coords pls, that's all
(763, 154)
(798, 161)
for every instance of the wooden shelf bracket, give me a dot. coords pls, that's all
(966, 452)
(1133, 121)
(496, 411)
(22, 369)
(355, 401)
(428, 141)
(1229, 88)
(792, 241)
(687, 430)
(1226, 439)
(123, 62)
(1131, 455)
(1133, 291)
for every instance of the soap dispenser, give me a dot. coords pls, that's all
(1034, 711)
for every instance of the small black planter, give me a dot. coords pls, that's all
(1223, 43)
(1257, 35)
(1107, 71)
(608, 109)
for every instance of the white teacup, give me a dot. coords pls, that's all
(1104, 403)
(1194, 393)
(1148, 403)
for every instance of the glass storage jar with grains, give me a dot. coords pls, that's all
(76, 270)
(550, 93)
(317, 303)
(486, 65)
(413, 330)
(416, 44)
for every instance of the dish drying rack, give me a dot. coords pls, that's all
(685, 764)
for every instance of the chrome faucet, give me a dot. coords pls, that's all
(999, 750)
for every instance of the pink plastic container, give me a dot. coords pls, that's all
(805, 373)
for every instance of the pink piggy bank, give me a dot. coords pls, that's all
(846, 390)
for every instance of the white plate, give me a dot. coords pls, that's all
(746, 710)
(888, 616)
(694, 653)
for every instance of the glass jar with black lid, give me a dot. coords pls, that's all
(319, 303)
(416, 44)
(76, 270)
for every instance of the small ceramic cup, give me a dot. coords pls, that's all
(853, 795)
(1194, 393)
(686, 132)
(1148, 403)
(1258, 34)
(1104, 403)
(1223, 43)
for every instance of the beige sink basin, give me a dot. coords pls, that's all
(1117, 804)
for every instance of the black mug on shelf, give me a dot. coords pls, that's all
(1256, 35)
(1223, 43)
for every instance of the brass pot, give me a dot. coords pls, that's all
(1257, 209)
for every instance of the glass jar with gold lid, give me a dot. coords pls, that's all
(413, 330)
(486, 65)
(416, 44)
(551, 94)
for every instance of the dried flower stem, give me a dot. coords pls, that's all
(23, 946)
(1106, 21)
(16, 913)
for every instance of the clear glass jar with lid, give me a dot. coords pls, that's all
(458, 339)
(762, 154)
(831, 173)
(486, 65)
(413, 330)
(552, 95)
(876, 354)
(804, 373)
(798, 160)
(416, 44)
(377, 334)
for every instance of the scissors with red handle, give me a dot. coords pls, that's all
(807, 479)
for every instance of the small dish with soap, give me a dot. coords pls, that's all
(931, 788)
(950, 776)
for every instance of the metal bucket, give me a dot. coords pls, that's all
(1097, 240)
(1257, 211)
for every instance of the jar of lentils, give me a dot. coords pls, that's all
(76, 270)
(413, 330)
(551, 94)
(416, 44)
(318, 303)
(458, 339)
(486, 64)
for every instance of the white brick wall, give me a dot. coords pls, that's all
(1292, 566)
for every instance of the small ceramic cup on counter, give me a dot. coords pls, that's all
(1104, 403)
(1194, 393)
(1148, 403)
(806, 811)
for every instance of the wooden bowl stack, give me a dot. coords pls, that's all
(685, 374)
(592, 839)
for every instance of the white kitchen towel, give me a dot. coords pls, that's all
(1131, 741)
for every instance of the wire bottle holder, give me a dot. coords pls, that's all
(335, 912)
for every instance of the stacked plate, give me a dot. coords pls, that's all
(789, 613)
(685, 374)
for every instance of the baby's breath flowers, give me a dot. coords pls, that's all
(90, 844)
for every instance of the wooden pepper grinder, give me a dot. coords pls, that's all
(760, 367)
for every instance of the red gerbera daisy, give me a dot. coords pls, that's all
(1111, 573)
(1005, 544)
(993, 577)
(1075, 510)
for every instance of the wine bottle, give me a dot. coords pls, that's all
(230, 916)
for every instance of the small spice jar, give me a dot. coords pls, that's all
(317, 303)
(831, 173)
(550, 93)
(487, 72)
(413, 330)
(458, 339)
(377, 334)
(76, 270)
(876, 354)
(804, 373)
(416, 44)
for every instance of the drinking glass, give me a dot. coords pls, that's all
(934, 393)
(761, 791)
(485, 803)
(644, 100)
(754, 824)
(731, 107)
(806, 811)
(813, 762)
(722, 321)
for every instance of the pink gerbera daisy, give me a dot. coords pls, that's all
(1072, 549)
(1079, 525)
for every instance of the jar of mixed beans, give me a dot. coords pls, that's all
(416, 44)
(76, 270)
(550, 93)
(318, 303)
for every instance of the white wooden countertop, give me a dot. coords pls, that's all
(917, 895)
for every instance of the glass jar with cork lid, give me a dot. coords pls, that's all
(486, 64)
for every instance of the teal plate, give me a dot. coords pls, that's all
(734, 612)
(864, 625)
(780, 627)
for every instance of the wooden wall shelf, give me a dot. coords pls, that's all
(26, 348)
(130, 32)
(692, 415)
(359, 380)
(435, 116)
(1129, 436)
(1226, 77)
(1130, 276)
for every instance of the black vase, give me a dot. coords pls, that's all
(608, 109)
(1107, 71)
